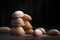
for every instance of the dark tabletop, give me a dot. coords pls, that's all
(7, 36)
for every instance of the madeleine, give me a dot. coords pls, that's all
(37, 32)
(4, 29)
(27, 17)
(20, 22)
(17, 31)
(18, 14)
(29, 31)
(27, 25)
(43, 30)
(17, 22)
(53, 32)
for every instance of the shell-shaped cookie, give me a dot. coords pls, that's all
(27, 25)
(17, 31)
(18, 14)
(43, 30)
(27, 17)
(17, 22)
(53, 32)
(29, 31)
(37, 32)
(4, 29)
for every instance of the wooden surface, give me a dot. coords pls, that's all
(7, 36)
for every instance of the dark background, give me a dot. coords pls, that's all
(43, 12)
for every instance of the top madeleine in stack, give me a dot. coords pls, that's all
(27, 17)
(17, 14)
(17, 20)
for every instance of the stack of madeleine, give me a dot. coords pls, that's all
(21, 25)
(21, 20)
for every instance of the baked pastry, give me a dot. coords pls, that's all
(17, 31)
(27, 17)
(17, 22)
(4, 29)
(37, 32)
(18, 14)
(27, 25)
(43, 30)
(53, 32)
(29, 31)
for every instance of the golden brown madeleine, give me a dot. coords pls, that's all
(27, 25)
(20, 22)
(17, 31)
(27, 17)
(37, 32)
(53, 32)
(4, 29)
(29, 31)
(18, 14)
(43, 30)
